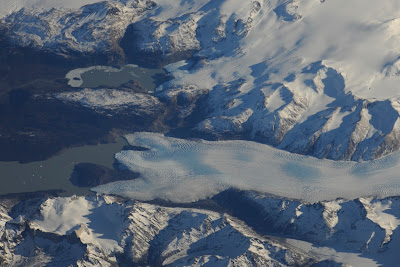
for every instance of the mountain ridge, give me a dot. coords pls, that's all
(288, 96)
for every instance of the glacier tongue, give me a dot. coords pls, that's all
(181, 170)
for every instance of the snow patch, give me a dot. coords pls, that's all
(96, 223)
(330, 213)
(376, 213)
(109, 99)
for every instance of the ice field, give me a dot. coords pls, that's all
(185, 170)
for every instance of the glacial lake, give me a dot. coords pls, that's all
(107, 76)
(55, 172)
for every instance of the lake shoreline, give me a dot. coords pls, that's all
(55, 172)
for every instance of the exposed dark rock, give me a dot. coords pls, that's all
(156, 59)
(90, 175)
(34, 129)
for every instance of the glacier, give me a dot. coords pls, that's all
(181, 170)
(312, 77)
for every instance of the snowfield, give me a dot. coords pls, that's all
(183, 171)
(359, 39)
(311, 77)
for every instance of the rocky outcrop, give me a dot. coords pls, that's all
(253, 230)
(93, 29)
(137, 233)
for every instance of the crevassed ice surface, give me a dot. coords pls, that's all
(183, 170)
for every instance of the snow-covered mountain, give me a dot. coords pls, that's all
(367, 226)
(7, 7)
(93, 28)
(104, 231)
(311, 77)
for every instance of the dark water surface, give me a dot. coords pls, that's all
(105, 76)
(61, 123)
(55, 172)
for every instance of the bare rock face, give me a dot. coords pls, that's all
(91, 175)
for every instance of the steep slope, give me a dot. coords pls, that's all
(102, 232)
(276, 74)
(93, 29)
(8, 7)
(290, 74)
(257, 230)
(366, 225)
